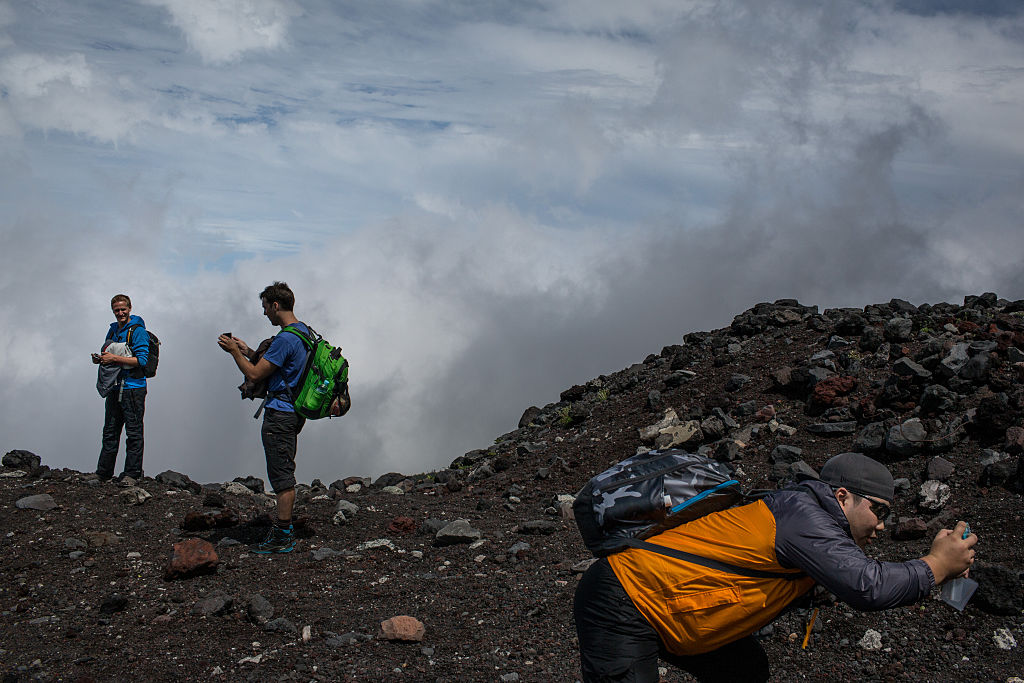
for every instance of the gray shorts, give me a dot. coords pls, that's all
(280, 436)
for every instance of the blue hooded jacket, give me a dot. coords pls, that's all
(139, 345)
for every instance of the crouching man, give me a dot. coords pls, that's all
(636, 605)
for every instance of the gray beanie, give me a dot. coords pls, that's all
(860, 474)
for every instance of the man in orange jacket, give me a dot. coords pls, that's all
(636, 605)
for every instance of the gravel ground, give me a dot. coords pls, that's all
(83, 594)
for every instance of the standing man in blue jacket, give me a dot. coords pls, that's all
(126, 404)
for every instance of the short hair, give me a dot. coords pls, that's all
(121, 297)
(279, 292)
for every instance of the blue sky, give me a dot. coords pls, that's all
(483, 203)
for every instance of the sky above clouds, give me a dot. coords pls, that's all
(482, 202)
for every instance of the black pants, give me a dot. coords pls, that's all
(618, 645)
(125, 409)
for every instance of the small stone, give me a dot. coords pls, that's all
(1004, 639)
(939, 468)
(933, 495)
(215, 605)
(872, 640)
(280, 625)
(98, 539)
(134, 495)
(258, 609)
(41, 501)
(909, 529)
(403, 628)
(115, 603)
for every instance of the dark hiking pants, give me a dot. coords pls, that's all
(618, 645)
(280, 433)
(125, 409)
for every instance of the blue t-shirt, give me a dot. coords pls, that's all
(288, 353)
(140, 348)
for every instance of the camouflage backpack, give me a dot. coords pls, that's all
(647, 494)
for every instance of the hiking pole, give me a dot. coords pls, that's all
(810, 625)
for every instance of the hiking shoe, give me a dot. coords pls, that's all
(277, 541)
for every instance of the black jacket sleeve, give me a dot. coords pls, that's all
(812, 534)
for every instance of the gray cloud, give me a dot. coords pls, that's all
(478, 233)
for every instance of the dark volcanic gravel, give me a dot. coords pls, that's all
(81, 604)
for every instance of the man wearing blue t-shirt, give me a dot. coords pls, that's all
(282, 366)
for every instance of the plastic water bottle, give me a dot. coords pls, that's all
(322, 389)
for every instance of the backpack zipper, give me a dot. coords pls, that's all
(701, 495)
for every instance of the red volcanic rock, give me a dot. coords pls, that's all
(191, 558)
(402, 525)
(403, 628)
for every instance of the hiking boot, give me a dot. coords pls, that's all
(277, 541)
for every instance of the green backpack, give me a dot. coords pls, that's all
(324, 377)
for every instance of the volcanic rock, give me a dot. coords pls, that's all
(403, 628)
(189, 558)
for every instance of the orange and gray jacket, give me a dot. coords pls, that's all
(800, 531)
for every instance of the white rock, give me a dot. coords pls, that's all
(353, 488)
(236, 488)
(1004, 640)
(872, 640)
(393, 490)
(376, 543)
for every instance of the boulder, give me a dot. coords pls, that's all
(254, 484)
(178, 481)
(1000, 589)
(458, 531)
(905, 439)
(871, 439)
(22, 460)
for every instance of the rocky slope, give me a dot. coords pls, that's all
(90, 592)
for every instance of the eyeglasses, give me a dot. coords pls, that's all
(879, 510)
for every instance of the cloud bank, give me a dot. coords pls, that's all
(483, 204)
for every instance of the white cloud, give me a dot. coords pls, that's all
(63, 93)
(222, 31)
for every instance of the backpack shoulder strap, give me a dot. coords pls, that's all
(307, 340)
(711, 564)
